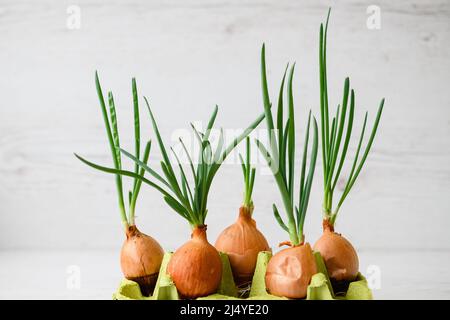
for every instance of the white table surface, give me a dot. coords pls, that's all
(405, 274)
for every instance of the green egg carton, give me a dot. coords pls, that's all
(165, 288)
(319, 289)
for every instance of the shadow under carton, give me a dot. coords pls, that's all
(319, 289)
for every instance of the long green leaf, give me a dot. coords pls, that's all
(291, 134)
(114, 127)
(355, 162)
(184, 181)
(265, 90)
(147, 168)
(160, 141)
(191, 164)
(244, 169)
(325, 79)
(333, 143)
(346, 140)
(279, 219)
(236, 141)
(330, 154)
(200, 140)
(323, 116)
(123, 173)
(283, 157)
(368, 147)
(340, 121)
(309, 179)
(251, 184)
(137, 126)
(280, 112)
(178, 208)
(173, 181)
(138, 182)
(211, 123)
(283, 190)
(305, 155)
(141, 171)
(116, 162)
(219, 147)
(325, 126)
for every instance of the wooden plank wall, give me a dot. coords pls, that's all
(190, 55)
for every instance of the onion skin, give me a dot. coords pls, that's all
(196, 267)
(242, 242)
(289, 272)
(338, 254)
(140, 259)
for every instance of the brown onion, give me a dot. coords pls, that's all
(338, 254)
(196, 267)
(289, 272)
(140, 259)
(242, 242)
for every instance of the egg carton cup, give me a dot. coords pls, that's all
(319, 289)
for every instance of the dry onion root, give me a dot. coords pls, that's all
(289, 272)
(141, 255)
(196, 268)
(242, 241)
(338, 253)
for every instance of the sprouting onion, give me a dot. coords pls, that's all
(141, 255)
(280, 156)
(331, 137)
(190, 201)
(195, 267)
(339, 255)
(289, 271)
(249, 176)
(242, 241)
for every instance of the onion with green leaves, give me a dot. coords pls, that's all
(141, 255)
(242, 241)
(339, 255)
(289, 272)
(195, 267)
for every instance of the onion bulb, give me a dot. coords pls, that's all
(140, 259)
(196, 267)
(338, 254)
(289, 272)
(242, 242)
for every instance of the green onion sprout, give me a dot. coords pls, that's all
(189, 200)
(249, 176)
(280, 155)
(334, 142)
(111, 125)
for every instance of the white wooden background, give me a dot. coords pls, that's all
(188, 56)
